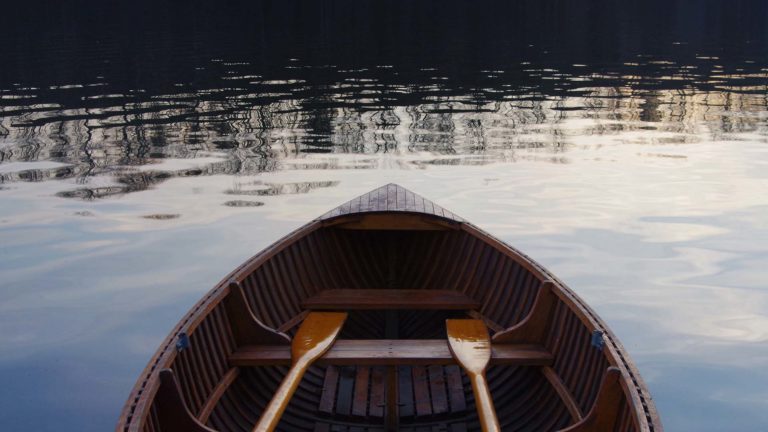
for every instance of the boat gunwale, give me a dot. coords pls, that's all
(145, 388)
(640, 402)
(165, 354)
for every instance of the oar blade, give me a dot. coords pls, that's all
(316, 335)
(470, 343)
(471, 347)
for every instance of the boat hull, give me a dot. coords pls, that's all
(403, 246)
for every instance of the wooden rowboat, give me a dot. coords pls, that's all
(390, 313)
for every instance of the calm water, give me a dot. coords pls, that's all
(146, 151)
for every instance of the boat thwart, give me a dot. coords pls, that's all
(376, 305)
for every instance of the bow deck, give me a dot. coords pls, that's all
(399, 266)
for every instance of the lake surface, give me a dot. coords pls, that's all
(146, 150)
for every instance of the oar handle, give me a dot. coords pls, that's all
(271, 415)
(484, 403)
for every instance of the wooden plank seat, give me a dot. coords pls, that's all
(388, 299)
(389, 352)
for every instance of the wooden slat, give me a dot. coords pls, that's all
(393, 198)
(370, 299)
(455, 388)
(437, 389)
(401, 201)
(563, 392)
(346, 385)
(405, 391)
(392, 411)
(421, 391)
(216, 394)
(376, 408)
(293, 322)
(387, 352)
(328, 396)
(489, 323)
(360, 400)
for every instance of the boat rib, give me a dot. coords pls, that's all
(399, 266)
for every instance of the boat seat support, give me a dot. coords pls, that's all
(532, 329)
(602, 416)
(246, 328)
(172, 411)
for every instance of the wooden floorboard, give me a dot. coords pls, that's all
(328, 396)
(421, 391)
(346, 385)
(455, 388)
(437, 389)
(405, 391)
(360, 400)
(378, 396)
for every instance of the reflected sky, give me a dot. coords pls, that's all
(140, 162)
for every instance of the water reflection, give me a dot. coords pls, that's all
(251, 129)
(623, 145)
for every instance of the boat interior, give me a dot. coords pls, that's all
(398, 278)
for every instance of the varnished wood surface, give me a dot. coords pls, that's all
(606, 409)
(460, 258)
(532, 329)
(391, 222)
(380, 299)
(246, 327)
(565, 394)
(470, 344)
(217, 393)
(173, 412)
(391, 198)
(315, 336)
(383, 352)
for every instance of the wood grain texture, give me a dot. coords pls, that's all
(470, 344)
(315, 336)
(458, 258)
(606, 409)
(389, 352)
(391, 198)
(381, 299)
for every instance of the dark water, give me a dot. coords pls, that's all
(146, 149)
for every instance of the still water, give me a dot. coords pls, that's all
(146, 150)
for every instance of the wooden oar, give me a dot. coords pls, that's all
(314, 337)
(471, 347)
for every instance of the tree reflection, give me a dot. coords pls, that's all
(287, 88)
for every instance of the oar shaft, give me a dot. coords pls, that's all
(271, 415)
(488, 420)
